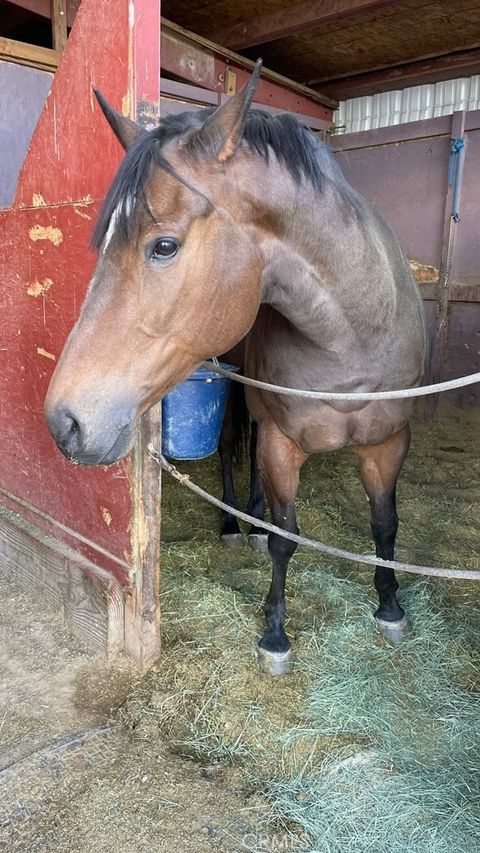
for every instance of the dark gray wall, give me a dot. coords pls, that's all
(22, 95)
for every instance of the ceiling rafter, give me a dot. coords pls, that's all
(462, 63)
(291, 21)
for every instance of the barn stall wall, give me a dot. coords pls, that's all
(88, 539)
(404, 171)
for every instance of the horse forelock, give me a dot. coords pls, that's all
(295, 147)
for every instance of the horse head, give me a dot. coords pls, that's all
(177, 279)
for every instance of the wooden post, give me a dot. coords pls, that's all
(59, 23)
(142, 637)
(142, 614)
(439, 344)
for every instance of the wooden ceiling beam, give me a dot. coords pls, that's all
(291, 21)
(464, 63)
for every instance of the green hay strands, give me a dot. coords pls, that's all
(364, 748)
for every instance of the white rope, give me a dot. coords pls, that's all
(434, 571)
(401, 394)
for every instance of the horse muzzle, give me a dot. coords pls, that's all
(93, 440)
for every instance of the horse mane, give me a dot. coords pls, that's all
(295, 147)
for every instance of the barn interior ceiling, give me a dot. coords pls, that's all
(342, 49)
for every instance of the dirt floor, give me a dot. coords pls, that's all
(72, 776)
(362, 748)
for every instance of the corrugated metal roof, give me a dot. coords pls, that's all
(413, 104)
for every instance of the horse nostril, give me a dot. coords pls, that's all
(65, 429)
(74, 426)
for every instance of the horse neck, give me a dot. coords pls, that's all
(314, 244)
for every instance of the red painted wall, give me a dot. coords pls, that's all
(45, 269)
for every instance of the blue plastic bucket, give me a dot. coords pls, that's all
(192, 415)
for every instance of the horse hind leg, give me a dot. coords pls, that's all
(279, 460)
(230, 534)
(257, 538)
(379, 468)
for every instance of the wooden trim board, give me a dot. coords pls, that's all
(29, 54)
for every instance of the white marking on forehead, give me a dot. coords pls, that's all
(111, 228)
(125, 206)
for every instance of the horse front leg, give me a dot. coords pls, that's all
(279, 460)
(380, 465)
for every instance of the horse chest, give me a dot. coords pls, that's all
(318, 427)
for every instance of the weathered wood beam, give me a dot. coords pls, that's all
(29, 54)
(142, 605)
(58, 11)
(291, 21)
(197, 60)
(432, 69)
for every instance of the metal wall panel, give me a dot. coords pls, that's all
(22, 95)
(412, 104)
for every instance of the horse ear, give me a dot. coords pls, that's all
(124, 128)
(220, 134)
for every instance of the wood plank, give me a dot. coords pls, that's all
(459, 293)
(390, 36)
(393, 134)
(29, 54)
(59, 23)
(423, 129)
(199, 60)
(142, 605)
(90, 603)
(142, 614)
(172, 105)
(187, 93)
(431, 69)
(291, 21)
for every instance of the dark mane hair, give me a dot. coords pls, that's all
(295, 147)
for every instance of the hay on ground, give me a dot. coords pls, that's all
(364, 747)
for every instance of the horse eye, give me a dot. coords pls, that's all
(162, 249)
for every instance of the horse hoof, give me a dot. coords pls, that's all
(274, 663)
(258, 542)
(232, 540)
(394, 633)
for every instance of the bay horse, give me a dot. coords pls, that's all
(229, 223)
